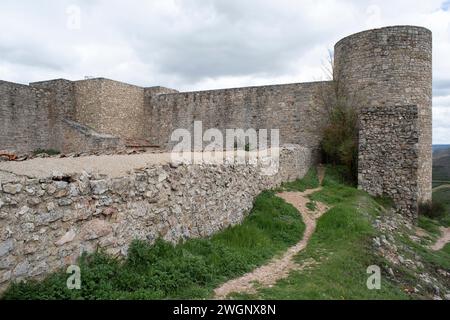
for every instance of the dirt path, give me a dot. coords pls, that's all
(443, 240)
(280, 267)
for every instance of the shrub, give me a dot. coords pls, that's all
(340, 136)
(432, 209)
(340, 139)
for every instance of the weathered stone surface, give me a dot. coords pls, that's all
(22, 269)
(57, 230)
(109, 211)
(48, 217)
(6, 247)
(5, 276)
(12, 188)
(99, 186)
(95, 229)
(389, 68)
(388, 155)
(68, 237)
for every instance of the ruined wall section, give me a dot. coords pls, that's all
(295, 109)
(392, 67)
(77, 138)
(389, 155)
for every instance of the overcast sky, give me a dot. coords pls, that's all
(205, 44)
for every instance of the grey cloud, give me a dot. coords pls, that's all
(228, 38)
(441, 87)
(32, 57)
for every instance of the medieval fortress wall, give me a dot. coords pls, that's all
(51, 210)
(294, 109)
(392, 67)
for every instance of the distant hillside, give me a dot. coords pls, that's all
(437, 147)
(441, 164)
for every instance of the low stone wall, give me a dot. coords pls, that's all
(48, 220)
(388, 155)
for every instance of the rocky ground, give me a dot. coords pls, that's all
(407, 249)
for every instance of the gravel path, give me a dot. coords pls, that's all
(280, 267)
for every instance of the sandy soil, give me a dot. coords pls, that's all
(112, 165)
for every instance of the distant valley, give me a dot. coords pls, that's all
(441, 165)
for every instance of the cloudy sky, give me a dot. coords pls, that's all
(205, 44)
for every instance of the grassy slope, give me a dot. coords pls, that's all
(440, 259)
(189, 270)
(341, 248)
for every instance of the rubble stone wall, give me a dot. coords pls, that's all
(48, 220)
(389, 155)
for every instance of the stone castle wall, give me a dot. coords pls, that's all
(379, 68)
(294, 109)
(48, 219)
(25, 117)
(389, 155)
(392, 67)
(110, 107)
(62, 106)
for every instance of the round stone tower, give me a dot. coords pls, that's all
(391, 67)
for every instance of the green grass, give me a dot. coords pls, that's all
(443, 196)
(441, 258)
(429, 225)
(435, 259)
(50, 152)
(188, 270)
(341, 248)
(310, 181)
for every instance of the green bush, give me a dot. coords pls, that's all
(309, 181)
(432, 209)
(340, 136)
(340, 139)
